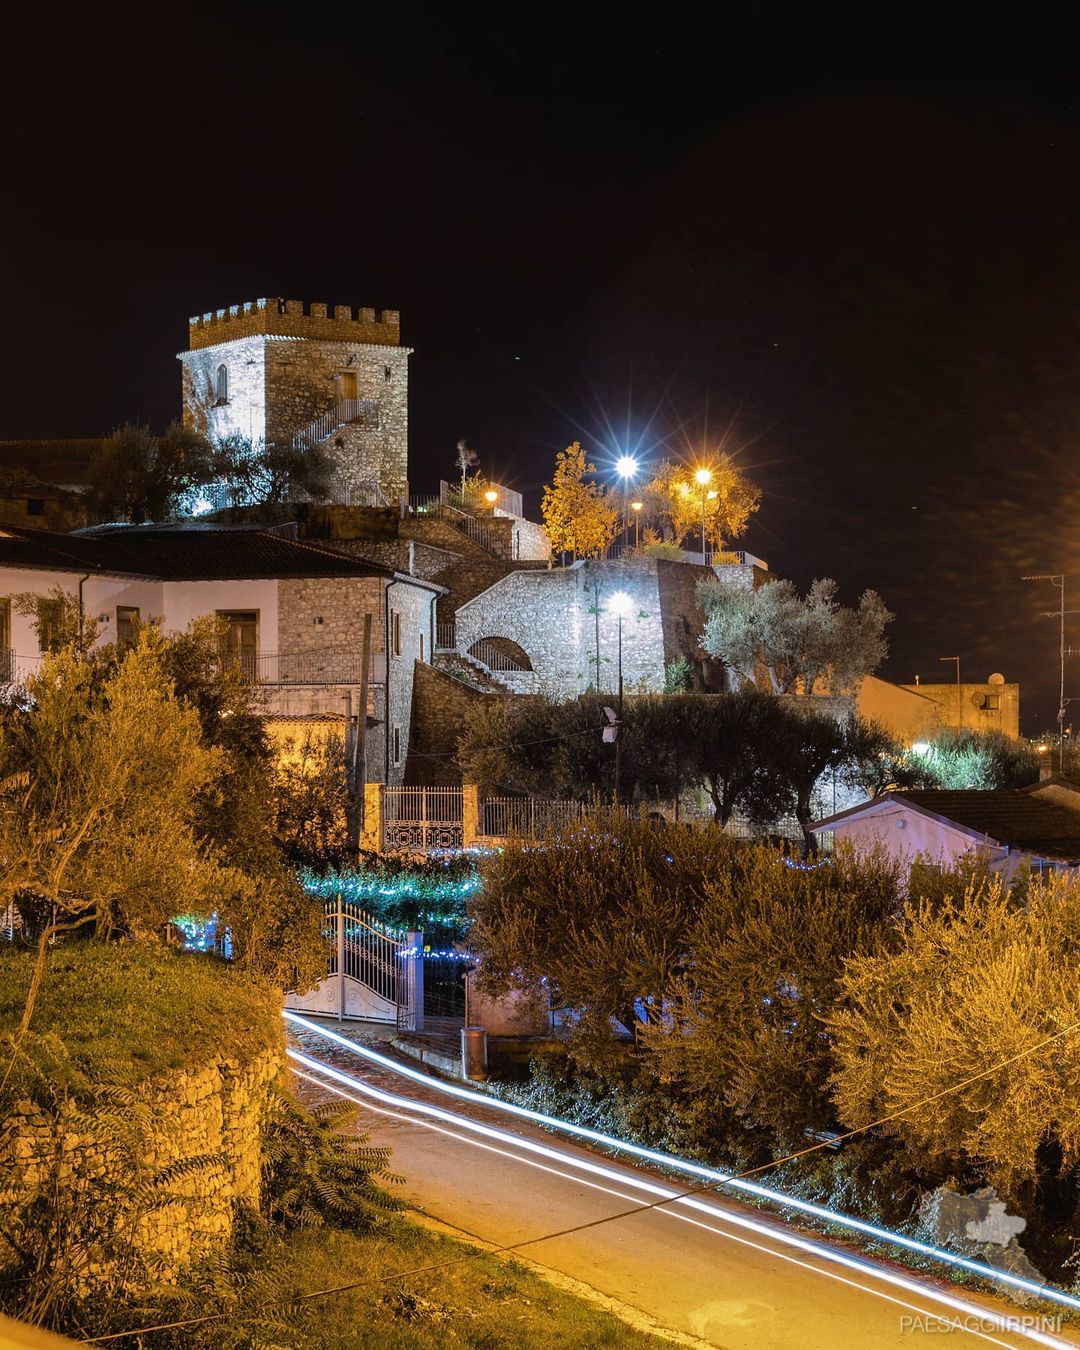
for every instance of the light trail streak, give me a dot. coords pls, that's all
(662, 1194)
(709, 1174)
(666, 1213)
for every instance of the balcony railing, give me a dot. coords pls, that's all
(445, 639)
(329, 665)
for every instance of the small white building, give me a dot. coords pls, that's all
(293, 614)
(1008, 827)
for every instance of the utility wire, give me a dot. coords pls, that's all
(515, 745)
(592, 1223)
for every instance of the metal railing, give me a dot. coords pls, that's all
(445, 637)
(713, 558)
(329, 665)
(488, 654)
(16, 669)
(347, 492)
(339, 414)
(480, 530)
(531, 817)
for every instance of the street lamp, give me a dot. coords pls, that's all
(626, 467)
(620, 604)
(703, 477)
(636, 508)
(959, 709)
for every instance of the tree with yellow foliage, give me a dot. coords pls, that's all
(581, 518)
(673, 501)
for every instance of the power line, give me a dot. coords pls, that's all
(515, 745)
(592, 1223)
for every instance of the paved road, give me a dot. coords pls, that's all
(727, 1274)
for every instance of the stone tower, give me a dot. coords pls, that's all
(287, 371)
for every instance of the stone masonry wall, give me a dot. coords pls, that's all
(324, 616)
(440, 706)
(303, 381)
(244, 414)
(216, 1109)
(417, 611)
(294, 318)
(550, 615)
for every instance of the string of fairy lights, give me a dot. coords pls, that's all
(441, 904)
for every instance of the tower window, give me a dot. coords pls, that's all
(386, 373)
(35, 506)
(221, 386)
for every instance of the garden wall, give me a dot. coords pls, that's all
(211, 1113)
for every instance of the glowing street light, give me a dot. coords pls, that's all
(626, 466)
(636, 508)
(490, 496)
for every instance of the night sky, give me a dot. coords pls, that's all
(845, 249)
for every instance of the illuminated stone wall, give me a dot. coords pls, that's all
(213, 1113)
(551, 615)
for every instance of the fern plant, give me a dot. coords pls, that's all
(316, 1170)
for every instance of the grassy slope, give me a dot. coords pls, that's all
(124, 1012)
(484, 1301)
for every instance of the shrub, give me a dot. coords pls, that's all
(315, 1172)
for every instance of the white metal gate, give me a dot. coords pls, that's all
(422, 818)
(374, 974)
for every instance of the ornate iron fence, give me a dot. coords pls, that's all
(423, 818)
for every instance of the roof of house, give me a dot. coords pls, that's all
(52, 461)
(1012, 817)
(180, 554)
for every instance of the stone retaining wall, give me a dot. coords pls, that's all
(212, 1110)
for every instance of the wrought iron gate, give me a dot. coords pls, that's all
(373, 973)
(422, 818)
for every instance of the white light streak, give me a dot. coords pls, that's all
(656, 1192)
(698, 1170)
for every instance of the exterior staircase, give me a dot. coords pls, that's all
(340, 414)
(469, 671)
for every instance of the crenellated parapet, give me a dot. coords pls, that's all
(296, 319)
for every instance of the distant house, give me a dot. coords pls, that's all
(1008, 827)
(293, 615)
(990, 706)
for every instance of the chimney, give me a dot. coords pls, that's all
(1046, 763)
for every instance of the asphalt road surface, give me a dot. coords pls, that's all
(707, 1266)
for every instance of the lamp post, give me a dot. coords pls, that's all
(620, 605)
(959, 709)
(636, 508)
(703, 477)
(491, 497)
(626, 467)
